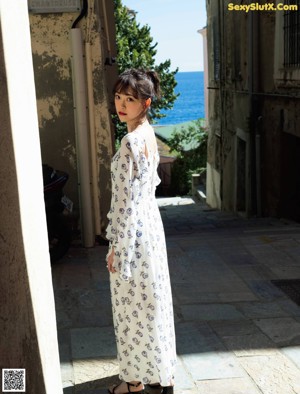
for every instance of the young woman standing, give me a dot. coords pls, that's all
(137, 258)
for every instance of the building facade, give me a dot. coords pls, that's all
(74, 68)
(254, 106)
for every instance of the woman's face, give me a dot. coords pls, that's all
(129, 108)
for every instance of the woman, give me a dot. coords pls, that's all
(137, 258)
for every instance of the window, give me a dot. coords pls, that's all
(287, 46)
(291, 27)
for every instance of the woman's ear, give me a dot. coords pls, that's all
(147, 102)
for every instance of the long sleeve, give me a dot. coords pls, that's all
(128, 170)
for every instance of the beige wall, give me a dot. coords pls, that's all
(253, 115)
(28, 336)
(50, 34)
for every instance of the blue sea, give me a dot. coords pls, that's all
(190, 103)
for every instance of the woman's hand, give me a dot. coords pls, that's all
(110, 262)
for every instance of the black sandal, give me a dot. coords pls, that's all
(154, 385)
(163, 389)
(168, 390)
(128, 388)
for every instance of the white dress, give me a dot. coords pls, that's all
(140, 290)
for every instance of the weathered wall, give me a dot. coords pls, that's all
(253, 115)
(222, 106)
(104, 69)
(53, 75)
(53, 80)
(213, 182)
(28, 336)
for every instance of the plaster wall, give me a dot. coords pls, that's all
(50, 36)
(228, 101)
(28, 336)
(254, 109)
(52, 69)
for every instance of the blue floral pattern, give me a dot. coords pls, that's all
(140, 290)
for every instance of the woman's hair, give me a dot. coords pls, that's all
(141, 84)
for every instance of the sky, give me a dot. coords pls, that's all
(174, 26)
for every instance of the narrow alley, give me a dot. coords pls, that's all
(237, 333)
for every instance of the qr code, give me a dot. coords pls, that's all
(13, 380)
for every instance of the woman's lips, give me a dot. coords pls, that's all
(122, 113)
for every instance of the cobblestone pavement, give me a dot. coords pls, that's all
(236, 332)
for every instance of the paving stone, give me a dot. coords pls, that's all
(189, 291)
(93, 342)
(185, 391)
(75, 318)
(63, 319)
(255, 272)
(67, 374)
(269, 257)
(265, 290)
(286, 272)
(74, 275)
(185, 295)
(210, 312)
(273, 374)
(64, 343)
(196, 338)
(94, 298)
(293, 353)
(284, 331)
(234, 327)
(239, 259)
(250, 345)
(94, 317)
(212, 365)
(228, 386)
(183, 378)
(261, 309)
(90, 370)
(240, 296)
(290, 307)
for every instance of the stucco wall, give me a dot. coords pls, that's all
(28, 336)
(53, 80)
(254, 109)
(51, 49)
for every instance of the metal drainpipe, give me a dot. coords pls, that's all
(250, 92)
(93, 139)
(258, 166)
(82, 139)
(251, 202)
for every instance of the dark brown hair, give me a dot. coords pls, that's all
(141, 84)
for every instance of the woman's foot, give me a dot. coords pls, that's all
(126, 387)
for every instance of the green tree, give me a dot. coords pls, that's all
(135, 49)
(190, 145)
